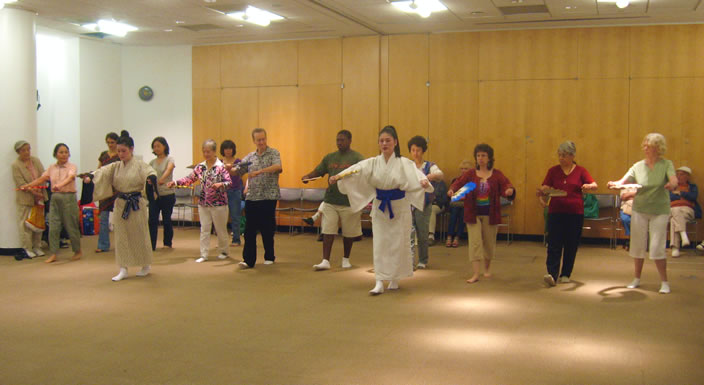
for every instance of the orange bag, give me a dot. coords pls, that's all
(36, 222)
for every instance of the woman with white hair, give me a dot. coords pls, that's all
(212, 202)
(565, 212)
(683, 208)
(24, 170)
(651, 207)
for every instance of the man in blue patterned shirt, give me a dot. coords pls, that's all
(260, 203)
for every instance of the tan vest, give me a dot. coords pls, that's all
(22, 176)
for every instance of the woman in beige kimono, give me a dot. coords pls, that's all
(127, 177)
(24, 170)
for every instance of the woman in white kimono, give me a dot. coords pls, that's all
(395, 184)
(127, 177)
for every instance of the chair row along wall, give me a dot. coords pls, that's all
(522, 92)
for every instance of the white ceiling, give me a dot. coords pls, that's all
(335, 18)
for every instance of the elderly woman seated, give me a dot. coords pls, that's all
(683, 208)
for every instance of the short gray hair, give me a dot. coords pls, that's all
(567, 147)
(656, 140)
(210, 143)
(258, 130)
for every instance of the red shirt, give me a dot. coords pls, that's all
(572, 183)
(498, 184)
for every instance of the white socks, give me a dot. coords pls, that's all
(223, 256)
(346, 263)
(378, 289)
(684, 238)
(393, 285)
(634, 284)
(201, 259)
(121, 275)
(664, 287)
(324, 265)
(145, 271)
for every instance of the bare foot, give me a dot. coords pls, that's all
(51, 259)
(487, 275)
(77, 256)
(474, 278)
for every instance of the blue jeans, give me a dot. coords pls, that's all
(626, 220)
(234, 203)
(456, 225)
(104, 232)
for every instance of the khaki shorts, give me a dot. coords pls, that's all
(351, 222)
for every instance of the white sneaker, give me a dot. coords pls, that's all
(684, 238)
(564, 279)
(324, 265)
(634, 284)
(549, 280)
(268, 262)
(39, 252)
(201, 259)
(346, 263)
(243, 265)
(664, 288)
(144, 272)
(30, 253)
(421, 265)
(700, 246)
(223, 256)
(675, 253)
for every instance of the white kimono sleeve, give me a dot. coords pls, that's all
(356, 186)
(415, 193)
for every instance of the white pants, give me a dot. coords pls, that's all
(679, 216)
(209, 216)
(431, 226)
(643, 225)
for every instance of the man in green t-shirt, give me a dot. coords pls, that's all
(336, 207)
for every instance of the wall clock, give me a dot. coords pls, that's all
(146, 93)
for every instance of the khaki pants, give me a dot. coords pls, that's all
(63, 212)
(679, 216)
(482, 239)
(209, 216)
(30, 239)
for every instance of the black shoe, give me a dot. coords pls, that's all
(320, 238)
(309, 221)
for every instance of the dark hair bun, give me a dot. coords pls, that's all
(124, 133)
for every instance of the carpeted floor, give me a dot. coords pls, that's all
(208, 323)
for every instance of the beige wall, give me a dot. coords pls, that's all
(523, 92)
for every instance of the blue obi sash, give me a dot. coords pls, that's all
(386, 196)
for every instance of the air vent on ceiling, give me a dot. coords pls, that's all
(200, 27)
(523, 9)
(98, 35)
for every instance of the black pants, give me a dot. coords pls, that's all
(564, 231)
(165, 205)
(260, 217)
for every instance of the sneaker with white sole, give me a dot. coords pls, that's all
(39, 252)
(223, 256)
(243, 265)
(421, 265)
(201, 259)
(564, 279)
(324, 265)
(30, 253)
(664, 288)
(700, 246)
(634, 284)
(675, 252)
(549, 280)
(346, 263)
(267, 262)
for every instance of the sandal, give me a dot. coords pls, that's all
(456, 242)
(448, 242)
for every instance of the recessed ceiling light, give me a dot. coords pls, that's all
(477, 13)
(424, 8)
(168, 30)
(110, 27)
(180, 21)
(210, 1)
(255, 16)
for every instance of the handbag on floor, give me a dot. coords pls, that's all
(35, 221)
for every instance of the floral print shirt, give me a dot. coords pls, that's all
(209, 196)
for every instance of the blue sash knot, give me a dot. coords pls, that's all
(386, 196)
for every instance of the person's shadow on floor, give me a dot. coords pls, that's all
(620, 294)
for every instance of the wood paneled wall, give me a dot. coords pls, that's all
(523, 92)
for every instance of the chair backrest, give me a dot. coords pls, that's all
(290, 194)
(606, 200)
(506, 202)
(313, 195)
